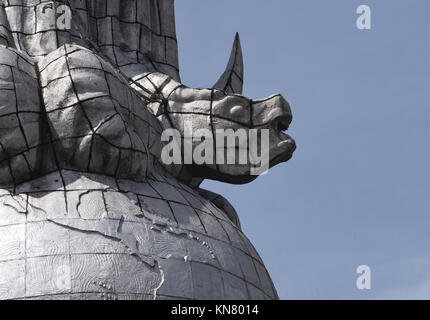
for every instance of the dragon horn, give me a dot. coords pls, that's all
(232, 79)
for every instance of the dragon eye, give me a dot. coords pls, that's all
(237, 110)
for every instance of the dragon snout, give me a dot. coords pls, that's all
(275, 112)
(280, 119)
(280, 115)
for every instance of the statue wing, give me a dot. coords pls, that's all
(133, 32)
(137, 35)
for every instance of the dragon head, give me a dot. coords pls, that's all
(205, 120)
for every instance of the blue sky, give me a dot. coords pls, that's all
(358, 189)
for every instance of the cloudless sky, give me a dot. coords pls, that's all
(357, 191)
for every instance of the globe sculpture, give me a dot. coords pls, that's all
(88, 209)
